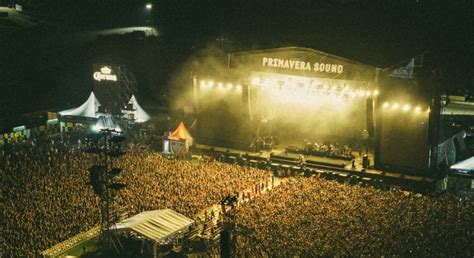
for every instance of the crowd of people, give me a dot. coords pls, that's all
(312, 217)
(47, 198)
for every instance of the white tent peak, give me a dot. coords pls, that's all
(140, 114)
(87, 109)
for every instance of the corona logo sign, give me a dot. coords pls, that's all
(105, 74)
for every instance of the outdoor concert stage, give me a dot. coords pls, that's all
(295, 95)
(285, 164)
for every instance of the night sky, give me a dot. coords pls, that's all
(48, 65)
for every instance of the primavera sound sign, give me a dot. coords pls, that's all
(291, 64)
(105, 74)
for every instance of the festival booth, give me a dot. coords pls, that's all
(161, 227)
(85, 114)
(134, 113)
(87, 109)
(178, 142)
(88, 114)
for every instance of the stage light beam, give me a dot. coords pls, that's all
(406, 107)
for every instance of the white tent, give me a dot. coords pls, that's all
(88, 109)
(465, 166)
(106, 122)
(157, 225)
(139, 114)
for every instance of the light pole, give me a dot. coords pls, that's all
(101, 178)
(148, 13)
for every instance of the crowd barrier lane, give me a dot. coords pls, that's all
(73, 241)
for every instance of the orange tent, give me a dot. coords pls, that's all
(181, 134)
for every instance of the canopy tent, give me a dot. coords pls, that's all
(106, 122)
(139, 114)
(181, 134)
(87, 109)
(465, 166)
(157, 225)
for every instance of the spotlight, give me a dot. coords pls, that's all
(417, 109)
(238, 87)
(376, 92)
(148, 6)
(395, 106)
(406, 107)
(368, 93)
(386, 105)
(229, 85)
(210, 83)
(203, 83)
(220, 85)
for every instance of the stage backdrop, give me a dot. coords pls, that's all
(297, 96)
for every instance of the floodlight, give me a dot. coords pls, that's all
(376, 92)
(406, 107)
(148, 6)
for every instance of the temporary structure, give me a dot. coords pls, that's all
(159, 226)
(87, 109)
(178, 142)
(181, 134)
(138, 113)
(106, 121)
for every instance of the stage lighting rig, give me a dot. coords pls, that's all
(106, 144)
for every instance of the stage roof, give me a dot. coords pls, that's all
(465, 166)
(156, 225)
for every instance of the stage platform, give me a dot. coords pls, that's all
(279, 157)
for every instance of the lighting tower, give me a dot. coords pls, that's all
(106, 144)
